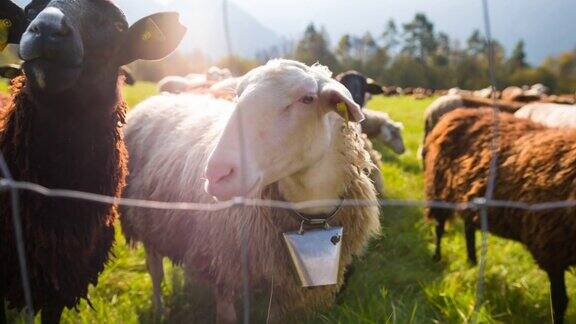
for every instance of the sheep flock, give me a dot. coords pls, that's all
(283, 134)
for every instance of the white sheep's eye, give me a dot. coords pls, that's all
(307, 100)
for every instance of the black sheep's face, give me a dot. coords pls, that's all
(66, 38)
(84, 42)
(356, 84)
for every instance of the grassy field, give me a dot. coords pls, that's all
(396, 282)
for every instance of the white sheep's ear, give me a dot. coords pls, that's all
(335, 95)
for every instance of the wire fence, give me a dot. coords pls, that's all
(480, 204)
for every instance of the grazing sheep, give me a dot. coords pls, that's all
(193, 82)
(540, 89)
(535, 165)
(446, 104)
(549, 114)
(378, 125)
(422, 93)
(458, 91)
(215, 73)
(564, 99)
(173, 84)
(484, 93)
(521, 95)
(62, 130)
(389, 91)
(297, 149)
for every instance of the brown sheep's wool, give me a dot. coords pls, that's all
(535, 165)
(67, 241)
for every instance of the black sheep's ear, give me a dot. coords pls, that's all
(13, 23)
(373, 88)
(152, 38)
(10, 71)
(128, 77)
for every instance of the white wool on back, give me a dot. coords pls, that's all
(197, 121)
(549, 114)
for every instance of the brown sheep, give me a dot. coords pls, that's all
(62, 129)
(535, 164)
(445, 104)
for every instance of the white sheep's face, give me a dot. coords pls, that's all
(282, 125)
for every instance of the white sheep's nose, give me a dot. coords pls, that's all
(219, 177)
(219, 173)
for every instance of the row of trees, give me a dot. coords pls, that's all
(415, 54)
(409, 54)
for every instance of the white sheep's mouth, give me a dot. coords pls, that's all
(223, 191)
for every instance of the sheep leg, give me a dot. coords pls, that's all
(3, 319)
(225, 310)
(469, 232)
(558, 295)
(440, 222)
(156, 270)
(51, 314)
(378, 181)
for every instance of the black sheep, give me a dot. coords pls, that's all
(62, 130)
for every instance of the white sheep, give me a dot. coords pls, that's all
(193, 81)
(174, 84)
(549, 114)
(378, 125)
(296, 147)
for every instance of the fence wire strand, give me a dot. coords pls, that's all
(20, 245)
(244, 252)
(492, 172)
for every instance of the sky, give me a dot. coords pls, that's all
(546, 26)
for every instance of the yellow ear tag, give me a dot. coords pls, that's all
(343, 110)
(152, 31)
(5, 25)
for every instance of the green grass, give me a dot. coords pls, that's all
(396, 282)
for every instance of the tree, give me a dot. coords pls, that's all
(419, 38)
(390, 35)
(343, 48)
(314, 47)
(442, 56)
(477, 44)
(368, 47)
(518, 57)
